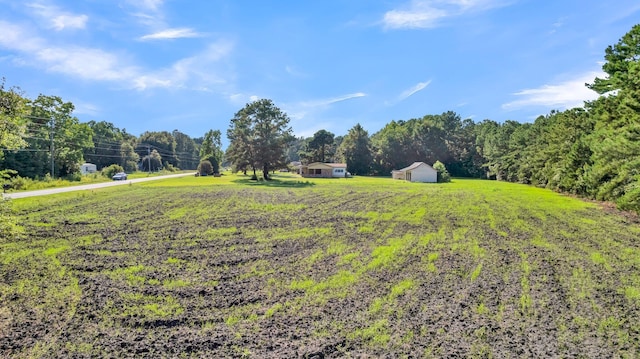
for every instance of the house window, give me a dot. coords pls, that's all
(339, 170)
(318, 171)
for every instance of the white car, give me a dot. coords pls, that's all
(120, 176)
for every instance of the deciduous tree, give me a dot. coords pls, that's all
(259, 134)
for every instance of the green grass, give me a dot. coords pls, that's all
(369, 266)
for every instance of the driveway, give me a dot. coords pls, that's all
(44, 192)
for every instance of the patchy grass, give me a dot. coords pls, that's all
(228, 267)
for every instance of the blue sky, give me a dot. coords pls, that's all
(190, 65)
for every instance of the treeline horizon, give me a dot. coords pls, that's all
(591, 151)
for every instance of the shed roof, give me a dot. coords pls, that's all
(414, 166)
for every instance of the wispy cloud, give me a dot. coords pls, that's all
(58, 19)
(197, 72)
(329, 101)
(171, 34)
(566, 94)
(424, 14)
(295, 72)
(148, 13)
(93, 64)
(85, 63)
(84, 108)
(410, 92)
(307, 115)
(148, 5)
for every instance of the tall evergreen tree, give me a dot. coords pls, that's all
(355, 150)
(319, 148)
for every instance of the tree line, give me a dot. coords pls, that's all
(41, 138)
(592, 151)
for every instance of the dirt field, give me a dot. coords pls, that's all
(325, 269)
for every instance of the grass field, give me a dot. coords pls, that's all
(226, 267)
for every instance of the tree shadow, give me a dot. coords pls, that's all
(273, 183)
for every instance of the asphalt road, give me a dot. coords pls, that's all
(44, 192)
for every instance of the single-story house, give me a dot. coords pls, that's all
(325, 170)
(416, 172)
(87, 168)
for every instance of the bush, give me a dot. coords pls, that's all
(20, 183)
(111, 170)
(214, 163)
(74, 177)
(205, 167)
(443, 174)
(130, 166)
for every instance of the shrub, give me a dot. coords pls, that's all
(214, 163)
(443, 174)
(111, 170)
(74, 177)
(205, 167)
(20, 183)
(130, 166)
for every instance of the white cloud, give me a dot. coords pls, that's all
(15, 37)
(563, 95)
(149, 5)
(171, 34)
(424, 14)
(329, 101)
(197, 72)
(148, 13)
(409, 92)
(58, 19)
(86, 63)
(83, 108)
(294, 72)
(82, 62)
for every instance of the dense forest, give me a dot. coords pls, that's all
(591, 151)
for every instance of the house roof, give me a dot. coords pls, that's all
(326, 165)
(414, 166)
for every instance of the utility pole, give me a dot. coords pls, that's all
(52, 151)
(149, 157)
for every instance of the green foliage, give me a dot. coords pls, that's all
(111, 145)
(186, 151)
(163, 143)
(619, 59)
(152, 162)
(258, 135)
(13, 106)
(319, 148)
(211, 149)
(111, 170)
(443, 174)
(355, 151)
(205, 167)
